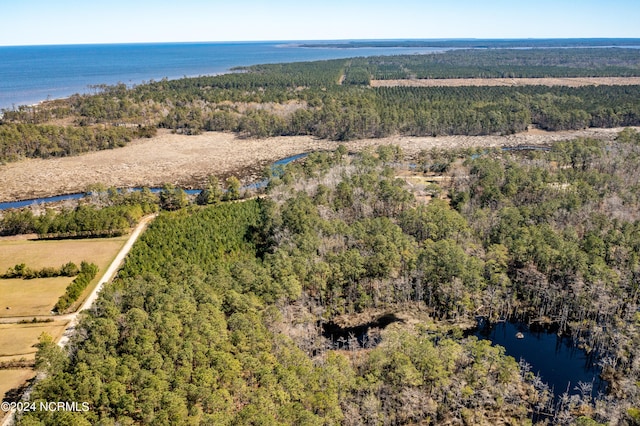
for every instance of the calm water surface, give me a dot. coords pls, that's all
(556, 359)
(29, 74)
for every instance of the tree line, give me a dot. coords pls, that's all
(105, 213)
(27, 140)
(73, 291)
(21, 270)
(505, 63)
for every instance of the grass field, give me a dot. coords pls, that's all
(19, 340)
(38, 296)
(55, 253)
(30, 297)
(11, 379)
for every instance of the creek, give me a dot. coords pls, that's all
(79, 195)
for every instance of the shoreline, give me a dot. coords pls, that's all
(186, 161)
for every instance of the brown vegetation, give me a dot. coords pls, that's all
(40, 254)
(187, 160)
(19, 341)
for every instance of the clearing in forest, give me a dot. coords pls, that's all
(38, 254)
(36, 297)
(27, 298)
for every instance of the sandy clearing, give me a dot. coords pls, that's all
(459, 82)
(187, 160)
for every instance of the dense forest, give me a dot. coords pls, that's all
(534, 63)
(333, 100)
(217, 316)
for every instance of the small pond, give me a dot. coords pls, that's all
(359, 336)
(555, 359)
(558, 361)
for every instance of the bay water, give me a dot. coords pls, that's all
(30, 74)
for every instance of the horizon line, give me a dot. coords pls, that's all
(443, 39)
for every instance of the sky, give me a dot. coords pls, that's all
(38, 22)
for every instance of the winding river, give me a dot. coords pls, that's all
(80, 195)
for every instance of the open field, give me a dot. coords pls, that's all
(459, 82)
(37, 254)
(30, 297)
(12, 379)
(19, 340)
(37, 297)
(187, 160)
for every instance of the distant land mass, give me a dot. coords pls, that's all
(483, 43)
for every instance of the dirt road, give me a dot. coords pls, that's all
(106, 277)
(88, 302)
(91, 298)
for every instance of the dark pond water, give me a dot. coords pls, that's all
(560, 363)
(555, 359)
(76, 196)
(361, 336)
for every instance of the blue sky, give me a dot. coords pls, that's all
(25, 22)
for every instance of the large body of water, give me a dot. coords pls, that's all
(29, 74)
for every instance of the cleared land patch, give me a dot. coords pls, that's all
(12, 379)
(460, 82)
(27, 298)
(18, 340)
(36, 297)
(55, 253)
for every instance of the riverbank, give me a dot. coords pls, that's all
(187, 160)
